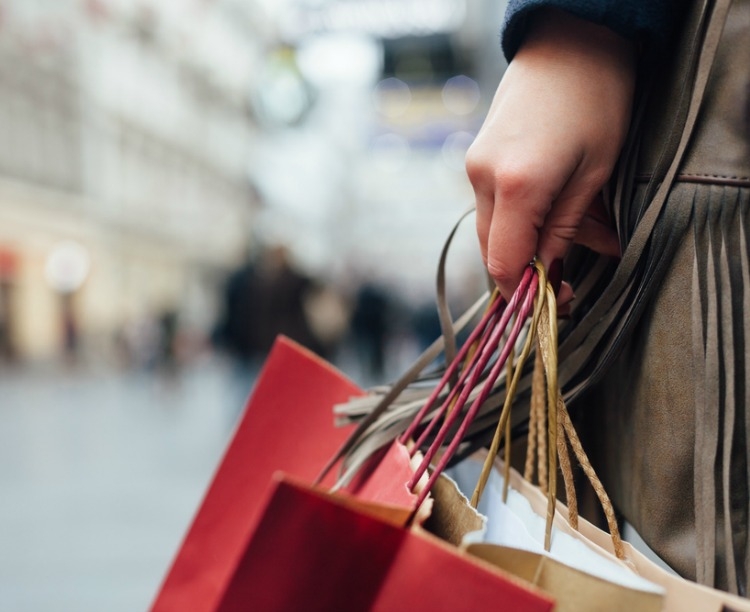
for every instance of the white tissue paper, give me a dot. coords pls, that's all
(516, 525)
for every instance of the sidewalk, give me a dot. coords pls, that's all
(100, 474)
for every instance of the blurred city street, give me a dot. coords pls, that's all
(101, 473)
(180, 181)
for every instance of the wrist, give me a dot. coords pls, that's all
(555, 33)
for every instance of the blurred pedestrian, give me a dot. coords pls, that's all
(370, 328)
(263, 298)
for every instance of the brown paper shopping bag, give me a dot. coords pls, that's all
(574, 590)
(679, 594)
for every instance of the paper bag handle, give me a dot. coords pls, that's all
(486, 339)
(559, 427)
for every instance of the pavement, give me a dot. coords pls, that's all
(100, 474)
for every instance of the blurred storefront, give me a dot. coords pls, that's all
(169, 139)
(153, 154)
(120, 133)
(396, 91)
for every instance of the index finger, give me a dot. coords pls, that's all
(512, 227)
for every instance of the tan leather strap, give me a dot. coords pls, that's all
(704, 179)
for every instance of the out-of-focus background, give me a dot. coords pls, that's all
(180, 180)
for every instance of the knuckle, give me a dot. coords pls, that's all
(512, 180)
(478, 167)
(506, 178)
(493, 165)
(500, 271)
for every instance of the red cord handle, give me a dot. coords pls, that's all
(488, 336)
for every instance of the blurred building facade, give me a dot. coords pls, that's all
(124, 129)
(163, 140)
(398, 90)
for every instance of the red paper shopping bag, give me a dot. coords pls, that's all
(297, 548)
(287, 425)
(312, 550)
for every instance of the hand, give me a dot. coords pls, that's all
(548, 144)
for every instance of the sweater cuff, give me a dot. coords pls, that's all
(646, 23)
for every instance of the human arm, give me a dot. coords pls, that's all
(549, 143)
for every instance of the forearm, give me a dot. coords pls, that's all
(549, 142)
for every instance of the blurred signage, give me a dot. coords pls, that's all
(380, 18)
(8, 263)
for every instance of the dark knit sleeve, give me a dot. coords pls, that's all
(645, 21)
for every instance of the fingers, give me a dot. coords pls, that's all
(520, 220)
(549, 142)
(485, 202)
(529, 214)
(510, 213)
(512, 241)
(570, 220)
(598, 236)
